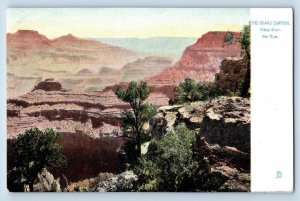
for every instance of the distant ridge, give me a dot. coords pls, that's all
(201, 60)
(166, 46)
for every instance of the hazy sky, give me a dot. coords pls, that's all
(126, 22)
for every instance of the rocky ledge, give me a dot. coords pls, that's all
(225, 121)
(223, 127)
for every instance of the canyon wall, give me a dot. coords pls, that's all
(202, 60)
(89, 124)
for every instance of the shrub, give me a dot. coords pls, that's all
(36, 150)
(229, 38)
(15, 180)
(190, 91)
(170, 163)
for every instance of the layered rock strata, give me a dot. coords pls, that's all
(202, 60)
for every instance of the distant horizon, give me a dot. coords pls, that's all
(105, 37)
(181, 37)
(126, 22)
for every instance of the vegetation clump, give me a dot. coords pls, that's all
(245, 41)
(171, 163)
(191, 91)
(229, 38)
(35, 150)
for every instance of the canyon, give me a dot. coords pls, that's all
(89, 124)
(32, 57)
(80, 103)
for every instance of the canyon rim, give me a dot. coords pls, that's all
(141, 99)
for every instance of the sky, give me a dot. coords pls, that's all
(126, 22)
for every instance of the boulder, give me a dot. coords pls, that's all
(192, 115)
(165, 120)
(158, 124)
(124, 182)
(45, 182)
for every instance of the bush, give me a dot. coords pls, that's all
(229, 38)
(36, 150)
(245, 41)
(170, 163)
(190, 91)
(15, 180)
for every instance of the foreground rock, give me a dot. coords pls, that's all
(224, 121)
(223, 127)
(124, 182)
(232, 73)
(227, 123)
(228, 168)
(45, 182)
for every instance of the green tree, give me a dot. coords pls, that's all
(35, 150)
(245, 41)
(187, 91)
(190, 91)
(133, 121)
(229, 37)
(171, 163)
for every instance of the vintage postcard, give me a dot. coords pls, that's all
(146, 99)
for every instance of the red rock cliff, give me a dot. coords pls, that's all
(200, 61)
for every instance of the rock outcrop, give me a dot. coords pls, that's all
(228, 168)
(48, 85)
(45, 182)
(223, 127)
(232, 73)
(227, 123)
(201, 61)
(224, 121)
(124, 182)
(88, 122)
